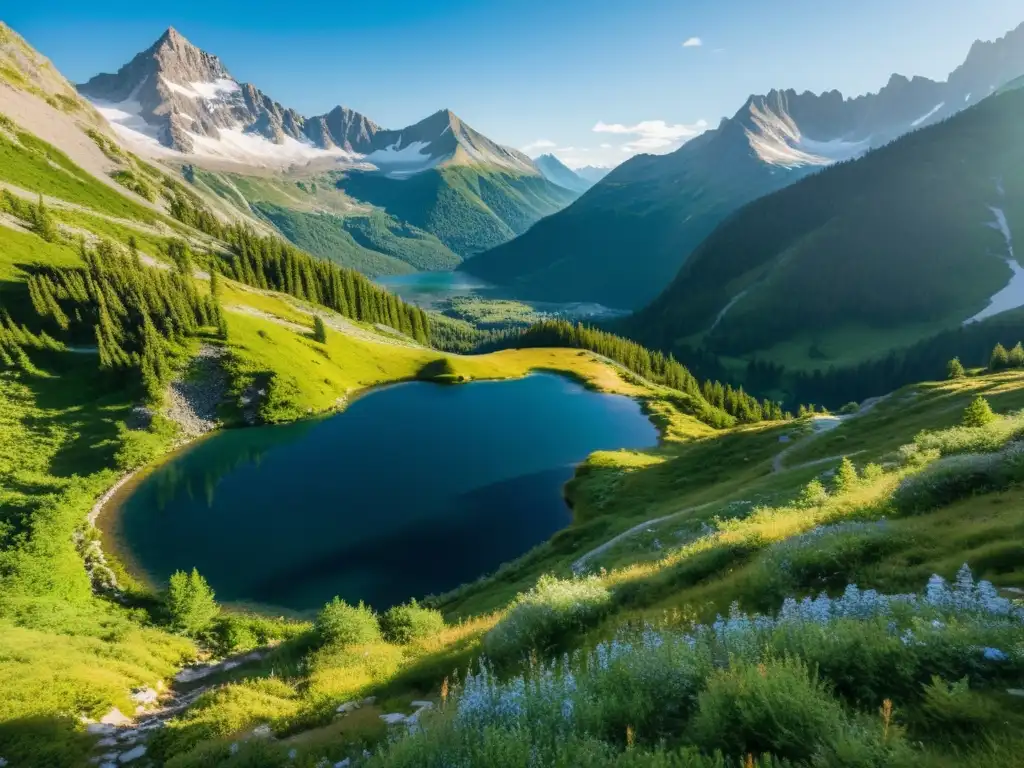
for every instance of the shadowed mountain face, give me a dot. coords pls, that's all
(623, 241)
(555, 171)
(864, 257)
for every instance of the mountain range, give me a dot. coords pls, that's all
(557, 172)
(627, 237)
(846, 265)
(429, 194)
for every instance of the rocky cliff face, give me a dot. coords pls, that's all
(174, 97)
(790, 129)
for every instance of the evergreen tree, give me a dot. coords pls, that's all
(978, 413)
(190, 602)
(813, 494)
(955, 369)
(999, 359)
(1015, 359)
(43, 222)
(846, 476)
(319, 330)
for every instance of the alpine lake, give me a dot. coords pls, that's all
(413, 489)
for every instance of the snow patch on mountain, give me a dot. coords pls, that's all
(1011, 296)
(252, 148)
(125, 117)
(929, 114)
(777, 140)
(208, 91)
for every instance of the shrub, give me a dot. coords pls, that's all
(978, 413)
(849, 409)
(405, 623)
(190, 602)
(813, 494)
(546, 614)
(344, 624)
(974, 439)
(957, 477)
(953, 712)
(777, 707)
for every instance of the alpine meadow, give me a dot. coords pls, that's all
(654, 442)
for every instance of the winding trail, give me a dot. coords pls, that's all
(827, 424)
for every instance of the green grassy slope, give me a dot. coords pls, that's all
(860, 258)
(468, 208)
(624, 240)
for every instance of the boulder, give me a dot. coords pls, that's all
(132, 754)
(393, 718)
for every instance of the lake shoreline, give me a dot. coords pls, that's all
(106, 514)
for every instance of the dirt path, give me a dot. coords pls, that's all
(823, 425)
(580, 563)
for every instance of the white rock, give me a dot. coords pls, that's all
(99, 729)
(262, 732)
(421, 704)
(132, 754)
(347, 707)
(115, 717)
(107, 741)
(145, 695)
(393, 718)
(129, 736)
(369, 701)
(343, 763)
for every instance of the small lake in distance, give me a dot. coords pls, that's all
(412, 490)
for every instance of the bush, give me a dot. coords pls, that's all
(957, 477)
(813, 494)
(344, 624)
(319, 330)
(540, 618)
(405, 623)
(989, 437)
(953, 712)
(978, 413)
(190, 602)
(849, 409)
(777, 707)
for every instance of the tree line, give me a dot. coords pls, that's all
(728, 404)
(272, 264)
(139, 317)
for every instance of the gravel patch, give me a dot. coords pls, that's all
(194, 399)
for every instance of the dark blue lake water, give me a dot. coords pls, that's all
(412, 490)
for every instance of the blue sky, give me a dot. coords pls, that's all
(536, 74)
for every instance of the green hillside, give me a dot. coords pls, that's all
(861, 259)
(753, 591)
(468, 208)
(625, 239)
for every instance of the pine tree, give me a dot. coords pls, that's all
(1015, 359)
(319, 330)
(43, 222)
(955, 369)
(846, 476)
(1000, 359)
(190, 602)
(978, 413)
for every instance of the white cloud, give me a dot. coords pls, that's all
(653, 135)
(606, 146)
(693, 42)
(539, 144)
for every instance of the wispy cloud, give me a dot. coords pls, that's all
(693, 42)
(533, 146)
(653, 135)
(606, 146)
